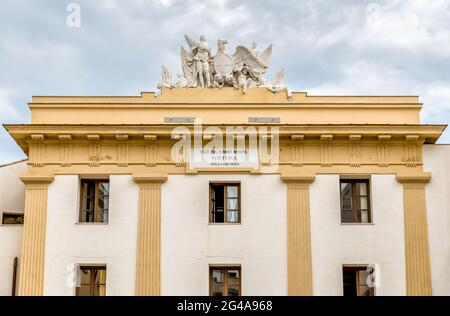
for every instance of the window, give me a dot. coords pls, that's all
(225, 281)
(92, 281)
(225, 203)
(355, 281)
(94, 201)
(355, 201)
(12, 218)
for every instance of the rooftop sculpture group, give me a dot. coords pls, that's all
(201, 69)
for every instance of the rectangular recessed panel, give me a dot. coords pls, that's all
(264, 120)
(179, 119)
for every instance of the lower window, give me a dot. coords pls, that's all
(92, 281)
(355, 280)
(12, 218)
(225, 281)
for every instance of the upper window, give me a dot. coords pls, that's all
(225, 203)
(94, 201)
(355, 201)
(355, 281)
(92, 281)
(12, 218)
(225, 281)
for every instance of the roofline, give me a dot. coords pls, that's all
(13, 163)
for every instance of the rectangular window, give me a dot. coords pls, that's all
(12, 218)
(225, 203)
(94, 201)
(225, 281)
(355, 201)
(92, 281)
(355, 281)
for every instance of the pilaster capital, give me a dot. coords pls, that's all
(143, 178)
(29, 178)
(295, 178)
(420, 178)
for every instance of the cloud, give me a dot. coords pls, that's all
(327, 47)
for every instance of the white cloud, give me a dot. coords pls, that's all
(8, 112)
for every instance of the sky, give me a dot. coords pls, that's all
(116, 47)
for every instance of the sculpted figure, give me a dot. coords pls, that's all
(196, 63)
(254, 49)
(244, 69)
(180, 81)
(219, 81)
(242, 79)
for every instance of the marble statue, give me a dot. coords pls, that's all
(242, 70)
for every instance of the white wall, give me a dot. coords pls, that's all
(12, 193)
(113, 244)
(10, 243)
(335, 244)
(190, 244)
(12, 199)
(436, 160)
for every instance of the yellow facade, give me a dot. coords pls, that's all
(344, 135)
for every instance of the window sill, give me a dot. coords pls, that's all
(362, 224)
(89, 224)
(9, 225)
(222, 224)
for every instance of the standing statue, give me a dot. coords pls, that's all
(196, 63)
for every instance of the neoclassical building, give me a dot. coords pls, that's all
(225, 183)
(356, 202)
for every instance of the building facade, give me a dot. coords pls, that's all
(346, 195)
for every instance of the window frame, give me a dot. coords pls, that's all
(92, 283)
(13, 214)
(225, 184)
(96, 182)
(356, 268)
(225, 279)
(353, 182)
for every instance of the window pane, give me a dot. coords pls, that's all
(100, 216)
(103, 202)
(233, 282)
(361, 188)
(232, 204)
(217, 203)
(100, 282)
(217, 286)
(88, 204)
(103, 188)
(346, 189)
(232, 191)
(364, 289)
(232, 216)
(347, 203)
(219, 216)
(361, 203)
(85, 276)
(364, 217)
(347, 216)
(84, 290)
(349, 280)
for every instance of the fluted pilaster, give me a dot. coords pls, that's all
(148, 256)
(299, 236)
(31, 282)
(417, 255)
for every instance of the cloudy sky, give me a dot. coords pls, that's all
(392, 47)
